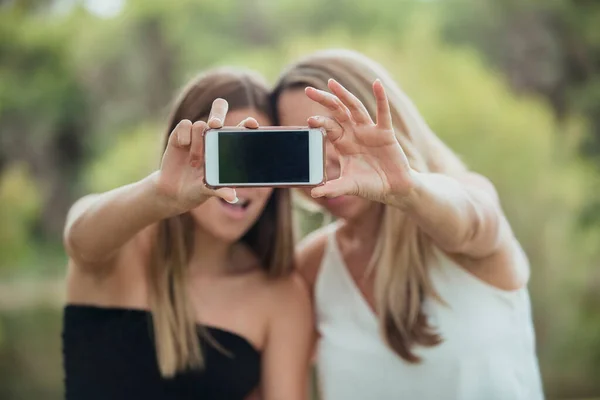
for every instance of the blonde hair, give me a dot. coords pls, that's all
(400, 259)
(271, 239)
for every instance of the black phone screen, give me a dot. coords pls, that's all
(256, 156)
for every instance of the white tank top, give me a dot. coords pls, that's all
(487, 353)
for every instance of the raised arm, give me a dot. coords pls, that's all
(99, 225)
(462, 215)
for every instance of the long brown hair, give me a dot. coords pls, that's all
(270, 238)
(400, 259)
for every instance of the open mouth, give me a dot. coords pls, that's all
(242, 203)
(238, 209)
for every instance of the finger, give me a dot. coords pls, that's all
(227, 194)
(181, 134)
(384, 117)
(332, 127)
(217, 114)
(249, 123)
(332, 103)
(355, 106)
(197, 145)
(337, 187)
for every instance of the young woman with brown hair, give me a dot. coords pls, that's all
(176, 291)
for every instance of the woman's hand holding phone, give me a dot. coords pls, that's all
(181, 175)
(373, 164)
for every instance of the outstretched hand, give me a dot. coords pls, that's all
(373, 164)
(181, 175)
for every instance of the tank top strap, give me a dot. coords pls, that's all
(338, 299)
(331, 230)
(328, 261)
(332, 263)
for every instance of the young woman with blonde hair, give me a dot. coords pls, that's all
(176, 291)
(419, 288)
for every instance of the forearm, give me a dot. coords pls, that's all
(459, 218)
(97, 229)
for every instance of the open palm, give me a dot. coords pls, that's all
(373, 164)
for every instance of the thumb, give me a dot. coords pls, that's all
(249, 123)
(337, 187)
(227, 194)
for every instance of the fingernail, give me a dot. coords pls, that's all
(216, 120)
(233, 201)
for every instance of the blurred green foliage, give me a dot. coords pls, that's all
(20, 201)
(30, 363)
(84, 101)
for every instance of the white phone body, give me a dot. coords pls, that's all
(313, 176)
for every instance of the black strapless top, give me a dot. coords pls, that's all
(109, 354)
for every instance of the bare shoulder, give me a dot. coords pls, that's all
(289, 295)
(82, 204)
(75, 211)
(124, 283)
(138, 249)
(506, 268)
(289, 340)
(309, 254)
(139, 243)
(289, 288)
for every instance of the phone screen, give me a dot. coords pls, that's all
(264, 157)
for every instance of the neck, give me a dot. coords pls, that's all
(365, 227)
(211, 255)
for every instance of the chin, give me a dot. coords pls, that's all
(227, 236)
(222, 231)
(222, 234)
(346, 214)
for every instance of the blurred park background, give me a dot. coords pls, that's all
(512, 86)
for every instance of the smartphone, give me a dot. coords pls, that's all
(268, 156)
